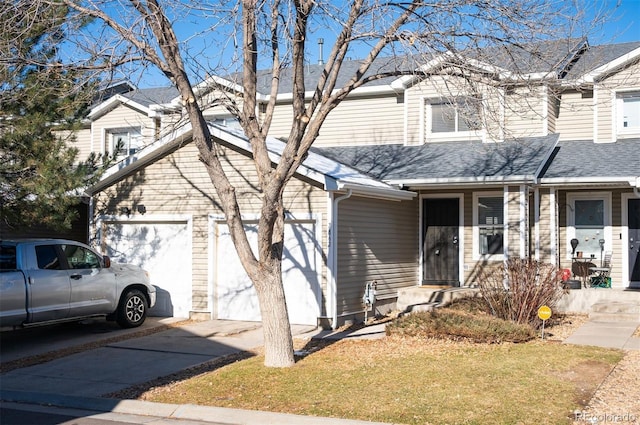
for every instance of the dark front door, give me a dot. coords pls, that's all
(440, 241)
(634, 241)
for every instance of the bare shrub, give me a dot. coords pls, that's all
(516, 290)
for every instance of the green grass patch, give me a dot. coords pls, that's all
(411, 381)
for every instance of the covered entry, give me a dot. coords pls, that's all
(441, 241)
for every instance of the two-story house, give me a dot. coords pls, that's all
(413, 181)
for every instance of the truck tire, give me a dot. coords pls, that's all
(132, 309)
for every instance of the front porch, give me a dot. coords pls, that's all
(614, 304)
(607, 304)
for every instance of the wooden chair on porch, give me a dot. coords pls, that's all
(602, 274)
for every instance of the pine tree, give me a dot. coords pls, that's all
(40, 106)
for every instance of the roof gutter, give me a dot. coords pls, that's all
(578, 181)
(378, 192)
(463, 181)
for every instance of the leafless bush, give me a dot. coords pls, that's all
(516, 290)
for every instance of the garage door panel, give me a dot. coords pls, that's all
(161, 248)
(236, 296)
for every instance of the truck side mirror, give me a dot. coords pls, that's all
(107, 261)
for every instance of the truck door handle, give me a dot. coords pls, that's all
(76, 276)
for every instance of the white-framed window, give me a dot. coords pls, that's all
(460, 117)
(589, 221)
(126, 141)
(628, 112)
(488, 225)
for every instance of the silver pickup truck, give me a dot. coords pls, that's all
(55, 280)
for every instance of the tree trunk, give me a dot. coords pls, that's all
(278, 342)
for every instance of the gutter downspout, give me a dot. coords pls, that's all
(333, 257)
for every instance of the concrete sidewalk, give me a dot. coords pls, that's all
(607, 334)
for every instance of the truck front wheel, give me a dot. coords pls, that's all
(132, 309)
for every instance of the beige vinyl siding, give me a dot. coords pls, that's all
(513, 221)
(469, 265)
(552, 111)
(545, 228)
(627, 79)
(179, 185)
(78, 139)
(120, 117)
(447, 88)
(524, 112)
(604, 99)
(575, 115)
(356, 120)
(436, 87)
(616, 243)
(377, 240)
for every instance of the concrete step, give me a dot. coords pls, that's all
(426, 298)
(615, 311)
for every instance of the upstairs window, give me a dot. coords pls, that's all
(629, 113)
(125, 141)
(460, 117)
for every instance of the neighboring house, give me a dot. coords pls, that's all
(407, 185)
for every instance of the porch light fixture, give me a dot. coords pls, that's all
(141, 209)
(125, 211)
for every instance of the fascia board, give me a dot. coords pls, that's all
(114, 101)
(360, 91)
(574, 181)
(326, 181)
(377, 192)
(204, 87)
(462, 181)
(599, 72)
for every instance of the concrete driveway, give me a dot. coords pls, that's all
(117, 365)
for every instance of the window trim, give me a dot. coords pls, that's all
(427, 117)
(620, 97)
(572, 197)
(132, 134)
(476, 226)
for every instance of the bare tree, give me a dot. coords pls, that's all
(390, 38)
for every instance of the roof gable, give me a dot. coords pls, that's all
(330, 174)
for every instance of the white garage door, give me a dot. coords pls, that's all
(163, 249)
(236, 296)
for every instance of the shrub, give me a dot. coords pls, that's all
(448, 323)
(516, 291)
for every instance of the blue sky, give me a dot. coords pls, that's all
(622, 25)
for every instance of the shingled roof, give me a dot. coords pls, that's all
(596, 162)
(518, 160)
